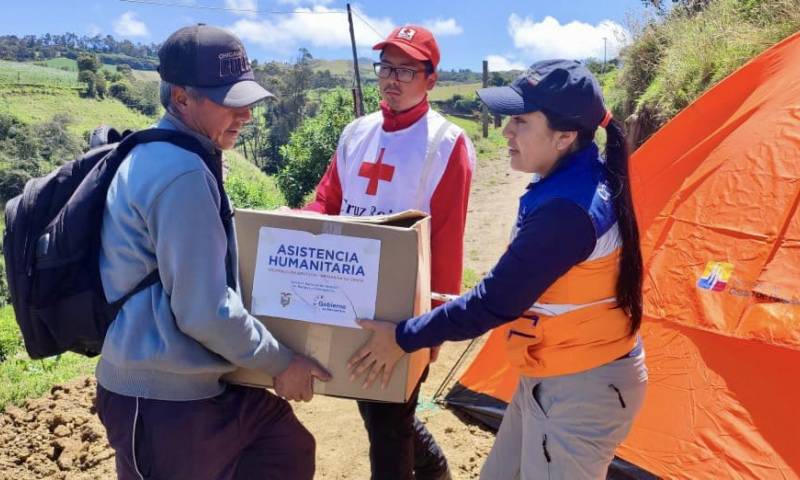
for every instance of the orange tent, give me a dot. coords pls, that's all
(716, 193)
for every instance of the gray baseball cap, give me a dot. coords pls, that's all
(214, 62)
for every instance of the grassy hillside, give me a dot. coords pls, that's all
(34, 94)
(249, 187)
(344, 68)
(36, 107)
(63, 63)
(15, 73)
(674, 59)
(443, 92)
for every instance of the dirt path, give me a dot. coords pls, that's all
(60, 437)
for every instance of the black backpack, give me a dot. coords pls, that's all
(51, 246)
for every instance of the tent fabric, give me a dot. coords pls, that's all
(716, 192)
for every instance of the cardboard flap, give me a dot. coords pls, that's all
(406, 218)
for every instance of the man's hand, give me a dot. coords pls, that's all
(295, 383)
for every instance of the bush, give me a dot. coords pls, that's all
(120, 90)
(312, 145)
(664, 70)
(28, 151)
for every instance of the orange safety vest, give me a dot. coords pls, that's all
(581, 339)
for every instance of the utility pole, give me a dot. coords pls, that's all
(357, 94)
(605, 42)
(485, 109)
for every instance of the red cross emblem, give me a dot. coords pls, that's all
(376, 171)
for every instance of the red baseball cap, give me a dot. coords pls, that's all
(416, 41)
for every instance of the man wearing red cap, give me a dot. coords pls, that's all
(406, 156)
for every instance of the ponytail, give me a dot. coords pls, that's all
(629, 282)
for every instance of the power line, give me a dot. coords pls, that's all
(241, 10)
(380, 35)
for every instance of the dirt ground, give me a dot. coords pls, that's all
(59, 436)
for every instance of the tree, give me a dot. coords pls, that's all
(496, 80)
(87, 61)
(100, 86)
(120, 91)
(311, 146)
(90, 79)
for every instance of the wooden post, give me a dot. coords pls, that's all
(485, 109)
(359, 97)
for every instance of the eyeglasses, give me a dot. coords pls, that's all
(401, 74)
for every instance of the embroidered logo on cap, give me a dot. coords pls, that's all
(407, 33)
(533, 77)
(233, 64)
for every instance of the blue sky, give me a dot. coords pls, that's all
(507, 33)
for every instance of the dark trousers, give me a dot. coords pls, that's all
(243, 433)
(400, 447)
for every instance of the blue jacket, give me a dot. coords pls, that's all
(562, 218)
(175, 339)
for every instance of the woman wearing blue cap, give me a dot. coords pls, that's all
(566, 293)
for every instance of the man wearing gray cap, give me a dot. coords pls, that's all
(160, 395)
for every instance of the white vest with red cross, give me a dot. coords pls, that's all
(387, 172)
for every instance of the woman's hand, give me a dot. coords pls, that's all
(378, 356)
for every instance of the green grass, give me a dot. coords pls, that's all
(23, 378)
(36, 107)
(444, 92)
(146, 75)
(469, 279)
(63, 63)
(344, 68)
(483, 146)
(249, 187)
(12, 73)
(664, 70)
(10, 339)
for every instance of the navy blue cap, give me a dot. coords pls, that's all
(564, 87)
(214, 62)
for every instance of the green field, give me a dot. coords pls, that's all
(344, 68)
(490, 145)
(12, 73)
(444, 92)
(32, 107)
(62, 63)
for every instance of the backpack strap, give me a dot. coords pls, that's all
(151, 279)
(214, 164)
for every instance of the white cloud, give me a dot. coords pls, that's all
(247, 8)
(324, 28)
(443, 27)
(127, 25)
(297, 3)
(93, 30)
(500, 63)
(574, 40)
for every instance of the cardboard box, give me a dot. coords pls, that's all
(402, 289)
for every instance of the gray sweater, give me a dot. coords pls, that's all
(175, 339)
